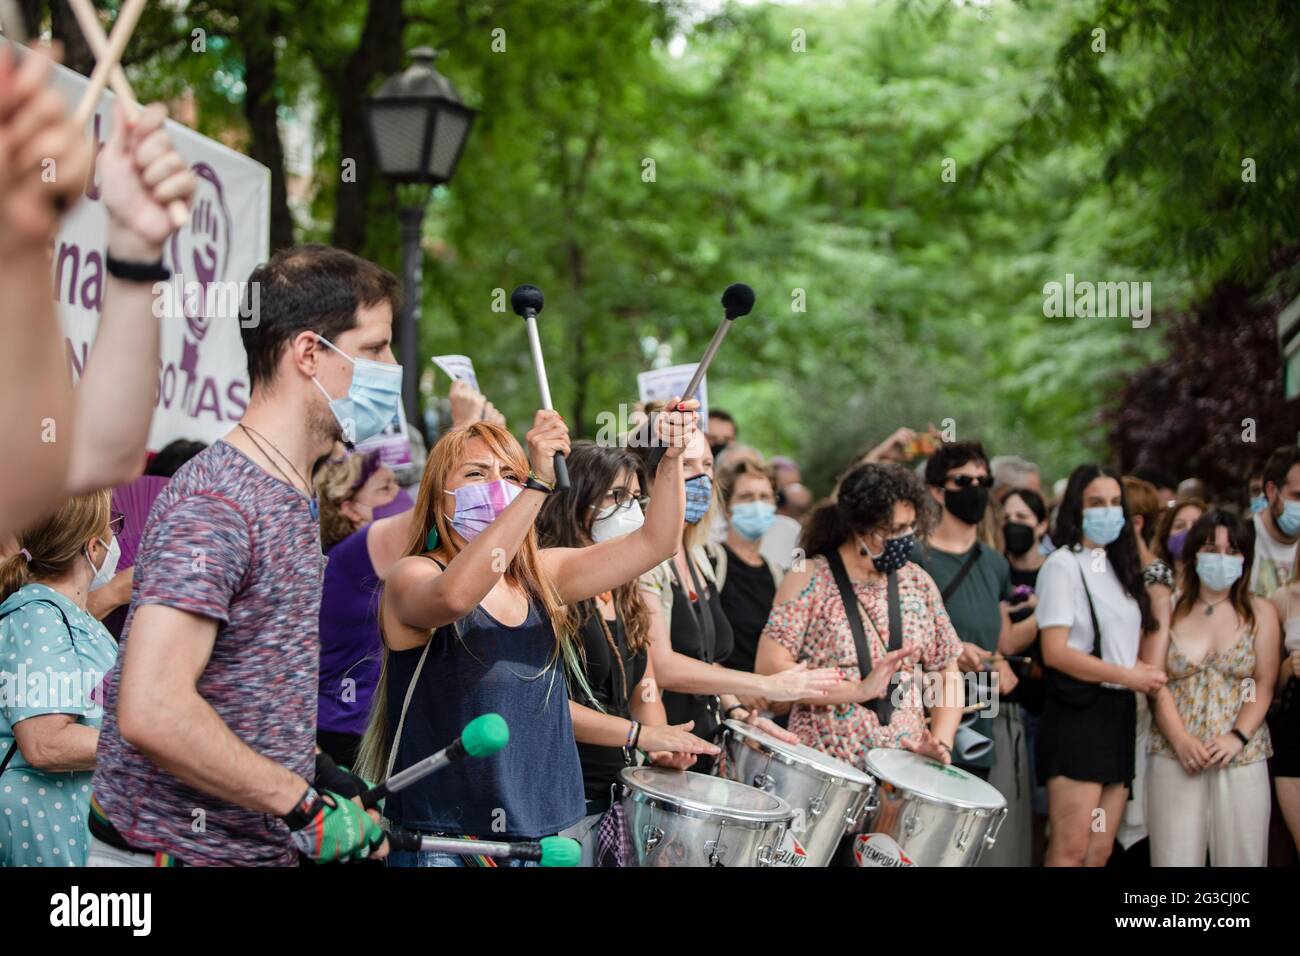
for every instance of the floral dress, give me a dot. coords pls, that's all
(814, 629)
(45, 668)
(1209, 696)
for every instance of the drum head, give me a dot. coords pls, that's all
(801, 753)
(929, 778)
(707, 794)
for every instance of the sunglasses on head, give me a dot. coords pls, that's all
(965, 481)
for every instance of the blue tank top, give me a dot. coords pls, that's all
(530, 789)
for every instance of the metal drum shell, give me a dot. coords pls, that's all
(803, 784)
(667, 831)
(931, 830)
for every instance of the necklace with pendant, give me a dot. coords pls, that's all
(1209, 608)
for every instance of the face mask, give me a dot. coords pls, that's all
(699, 494)
(896, 553)
(718, 448)
(1176, 544)
(372, 400)
(1219, 571)
(967, 504)
(751, 519)
(1258, 504)
(1019, 538)
(477, 506)
(1289, 519)
(614, 521)
(104, 573)
(1101, 526)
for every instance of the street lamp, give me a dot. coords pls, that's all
(418, 128)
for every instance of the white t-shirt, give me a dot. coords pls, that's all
(780, 541)
(1273, 561)
(1063, 603)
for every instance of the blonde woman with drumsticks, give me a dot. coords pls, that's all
(472, 621)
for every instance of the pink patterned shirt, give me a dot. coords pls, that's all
(814, 629)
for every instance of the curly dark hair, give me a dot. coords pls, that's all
(863, 501)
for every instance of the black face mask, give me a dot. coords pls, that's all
(1019, 538)
(967, 504)
(718, 448)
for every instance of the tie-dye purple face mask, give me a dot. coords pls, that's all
(478, 505)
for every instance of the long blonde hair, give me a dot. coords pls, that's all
(524, 571)
(54, 545)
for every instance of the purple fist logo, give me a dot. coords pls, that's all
(200, 255)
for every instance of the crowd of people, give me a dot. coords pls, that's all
(213, 677)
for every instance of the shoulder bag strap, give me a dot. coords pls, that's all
(410, 689)
(1092, 611)
(882, 707)
(706, 613)
(960, 576)
(13, 747)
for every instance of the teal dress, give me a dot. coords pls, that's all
(47, 668)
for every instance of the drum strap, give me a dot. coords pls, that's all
(882, 707)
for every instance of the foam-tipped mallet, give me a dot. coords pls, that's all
(98, 43)
(548, 851)
(738, 300)
(527, 301)
(482, 737)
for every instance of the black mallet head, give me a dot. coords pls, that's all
(738, 300)
(529, 297)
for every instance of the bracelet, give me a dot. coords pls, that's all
(726, 714)
(631, 735)
(636, 738)
(1240, 736)
(536, 484)
(137, 271)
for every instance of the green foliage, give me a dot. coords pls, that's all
(802, 149)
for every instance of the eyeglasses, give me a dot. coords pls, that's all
(623, 499)
(116, 522)
(965, 481)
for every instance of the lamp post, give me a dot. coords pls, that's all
(418, 127)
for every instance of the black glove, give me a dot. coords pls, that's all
(330, 776)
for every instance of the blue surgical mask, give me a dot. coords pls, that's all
(1289, 519)
(373, 398)
(1102, 525)
(1218, 572)
(1258, 504)
(699, 495)
(751, 519)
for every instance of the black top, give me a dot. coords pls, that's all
(700, 630)
(747, 597)
(1029, 692)
(600, 765)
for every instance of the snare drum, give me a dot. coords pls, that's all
(826, 795)
(678, 818)
(923, 813)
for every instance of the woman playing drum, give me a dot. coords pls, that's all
(863, 535)
(471, 621)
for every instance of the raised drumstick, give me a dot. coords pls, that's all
(112, 53)
(98, 44)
